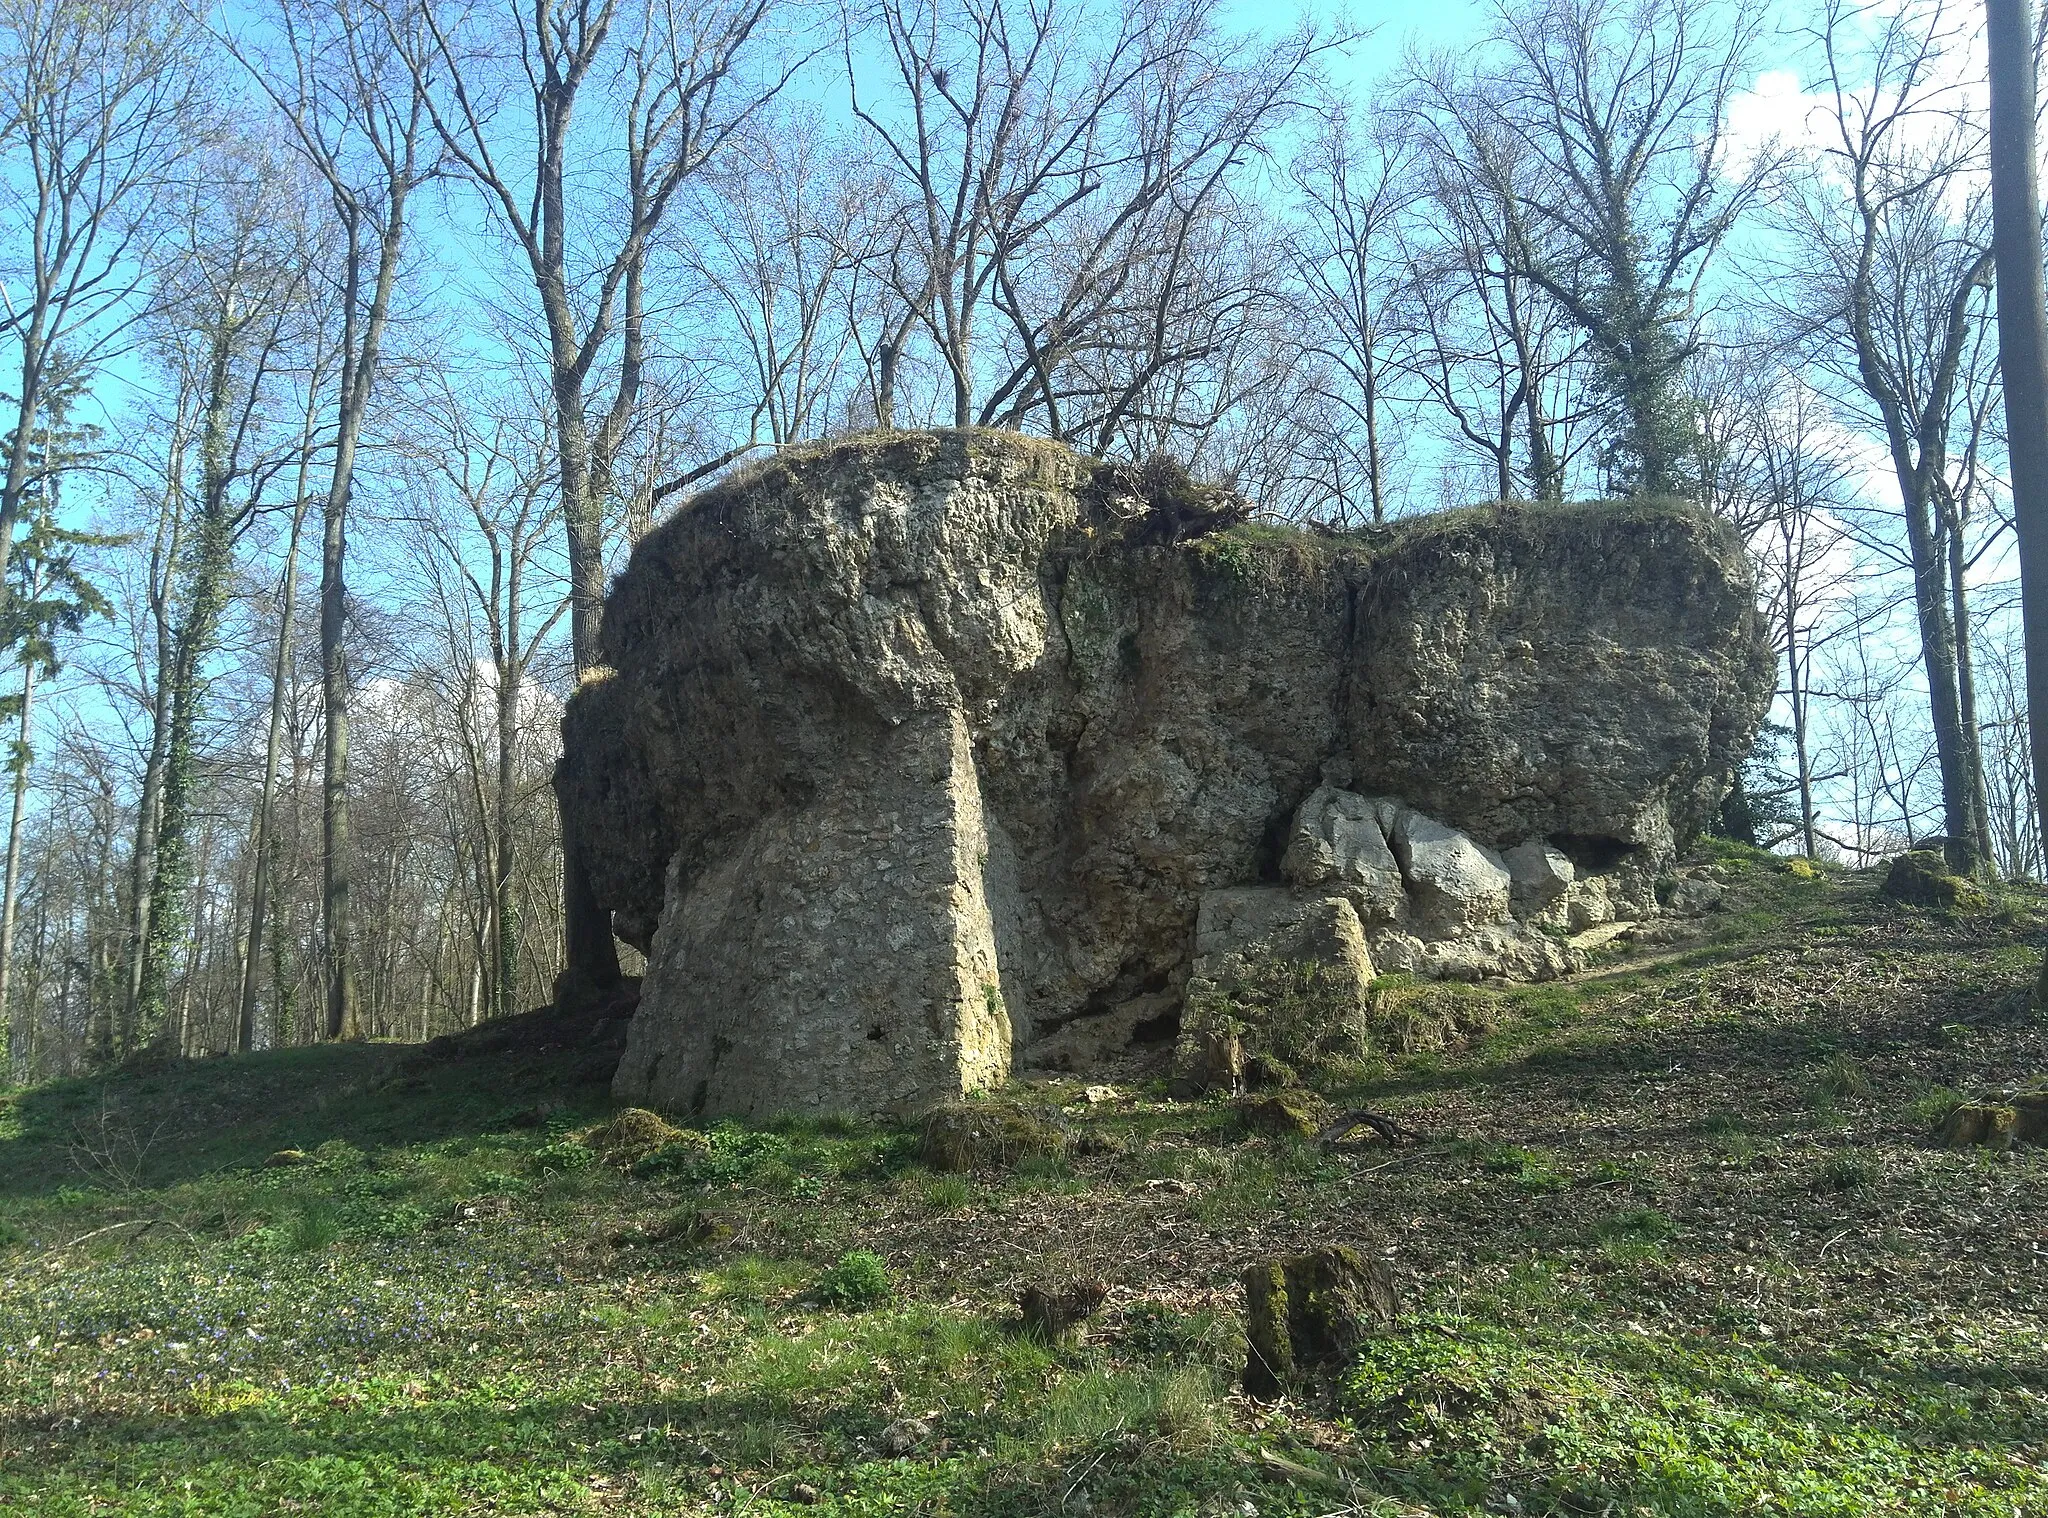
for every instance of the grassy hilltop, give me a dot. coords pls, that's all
(1674, 1242)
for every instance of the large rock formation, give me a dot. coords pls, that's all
(921, 755)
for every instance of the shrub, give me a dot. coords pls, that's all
(859, 1279)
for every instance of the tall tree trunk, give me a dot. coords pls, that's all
(2023, 350)
(1977, 801)
(362, 345)
(259, 890)
(504, 910)
(1938, 658)
(592, 956)
(10, 898)
(335, 907)
(142, 863)
(205, 598)
(1796, 677)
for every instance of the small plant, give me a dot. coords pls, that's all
(1932, 1106)
(560, 1158)
(1530, 1169)
(1843, 1078)
(944, 1193)
(312, 1227)
(109, 1148)
(858, 1280)
(1162, 1333)
(1640, 1226)
(1846, 1170)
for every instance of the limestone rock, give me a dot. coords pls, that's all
(911, 750)
(1095, 1038)
(1692, 895)
(1539, 876)
(1339, 841)
(1455, 881)
(1288, 971)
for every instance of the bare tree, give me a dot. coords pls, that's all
(685, 85)
(1614, 115)
(232, 301)
(1068, 180)
(97, 99)
(1892, 280)
(357, 115)
(492, 513)
(1356, 189)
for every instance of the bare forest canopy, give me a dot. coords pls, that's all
(348, 345)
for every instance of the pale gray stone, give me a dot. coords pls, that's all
(1452, 880)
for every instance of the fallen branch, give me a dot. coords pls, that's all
(146, 1223)
(1379, 1122)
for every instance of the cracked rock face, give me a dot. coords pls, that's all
(917, 756)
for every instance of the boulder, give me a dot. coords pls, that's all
(1455, 881)
(1288, 972)
(1339, 841)
(911, 750)
(1539, 876)
(1692, 895)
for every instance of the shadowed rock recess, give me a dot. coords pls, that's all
(921, 757)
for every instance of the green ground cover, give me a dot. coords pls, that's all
(1674, 1242)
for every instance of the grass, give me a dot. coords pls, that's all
(1674, 1243)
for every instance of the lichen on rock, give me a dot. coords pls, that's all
(920, 755)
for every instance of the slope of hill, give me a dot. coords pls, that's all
(1673, 1240)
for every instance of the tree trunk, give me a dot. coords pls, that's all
(206, 592)
(335, 914)
(593, 957)
(10, 899)
(149, 809)
(1976, 801)
(2023, 349)
(259, 890)
(504, 911)
(1938, 658)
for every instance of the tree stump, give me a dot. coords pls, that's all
(1308, 1314)
(1055, 1311)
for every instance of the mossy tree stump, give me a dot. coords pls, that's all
(1997, 1122)
(1308, 1314)
(1921, 878)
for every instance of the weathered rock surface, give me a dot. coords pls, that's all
(921, 752)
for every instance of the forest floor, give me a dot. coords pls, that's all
(1674, 1241)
